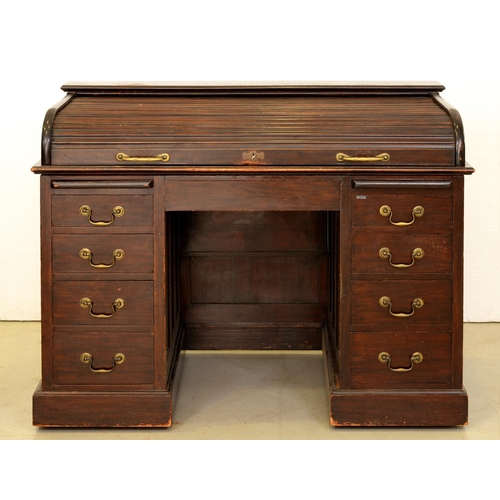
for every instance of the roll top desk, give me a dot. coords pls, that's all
(226, 216)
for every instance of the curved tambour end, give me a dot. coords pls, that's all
(48, 128)
(458, 129)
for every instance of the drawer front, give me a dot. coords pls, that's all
(385, 209)
(102, 253)
(101, 212)
(400, 254)
(103, 358)
(400, 360)
(406, 304)
(102, 303)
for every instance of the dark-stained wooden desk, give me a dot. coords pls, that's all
(300, 216)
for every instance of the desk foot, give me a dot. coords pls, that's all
(427, 408)
(152, 408)
(102, 409)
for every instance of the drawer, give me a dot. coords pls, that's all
(109, 358)
(408, 304)
(384, 360)
(418, 211)
(102, 211)
(109, 303)
(376, 251)
(102, 253)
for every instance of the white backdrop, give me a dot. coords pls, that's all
(45, 44)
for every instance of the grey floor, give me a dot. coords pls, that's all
(249, 395)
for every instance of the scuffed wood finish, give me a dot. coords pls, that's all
(253, 235)
(113, 408)
(399, 408)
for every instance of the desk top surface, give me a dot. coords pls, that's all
(256, 87)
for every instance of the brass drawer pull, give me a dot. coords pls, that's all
(86, 254)
(86, 303)
(164, 157)
(385, 253)
(415, 358)
(381, 157)
(86, 211)
(386, 211)
(86, 359)
(416, 304)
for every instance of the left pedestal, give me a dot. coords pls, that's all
(105, 355)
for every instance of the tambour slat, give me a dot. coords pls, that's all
(90, 118)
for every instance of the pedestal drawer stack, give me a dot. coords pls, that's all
(403, 289)
(101, 333)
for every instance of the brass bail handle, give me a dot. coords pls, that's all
(164, 157)
(341, 157)
(385, 253)
(386, 211)
(415, 358)
(86, 303)
(86, 211)
(86, 359)
(417, 303)
(86, 254)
